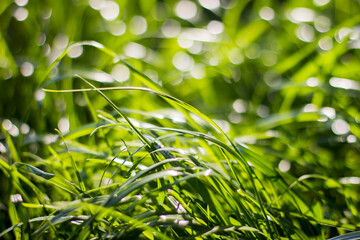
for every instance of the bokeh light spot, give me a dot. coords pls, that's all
(120, 73)
(340, 127)
(21, 3)
(210, 4)
(186, 9)
(27, 69)
(267, 13)
(183, 61)
(75, 51)
(135, 50)
(171, 28)
(64, 125)
(110, 10)
(305, 33)
(138, 25)
(21, 14)
(284, 165)
(299, 15)
(215, 27)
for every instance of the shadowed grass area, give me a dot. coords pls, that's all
(179, 119)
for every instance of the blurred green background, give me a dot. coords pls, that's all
(280, 76)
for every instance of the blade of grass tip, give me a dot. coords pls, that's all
(138, 133)
(73, 163)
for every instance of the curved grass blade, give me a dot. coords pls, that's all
(31, 169)
(347, 236)
(74, 165)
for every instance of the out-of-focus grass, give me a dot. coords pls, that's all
(279, 78)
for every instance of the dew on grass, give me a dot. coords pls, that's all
(267, 13)
(186, 9)
(171, 28)
(138, 25)
(27, 69)
(21, 14)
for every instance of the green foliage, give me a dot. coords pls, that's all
(179, 119)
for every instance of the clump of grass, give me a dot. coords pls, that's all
(133, 175)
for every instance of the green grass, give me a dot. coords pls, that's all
(251, 132)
